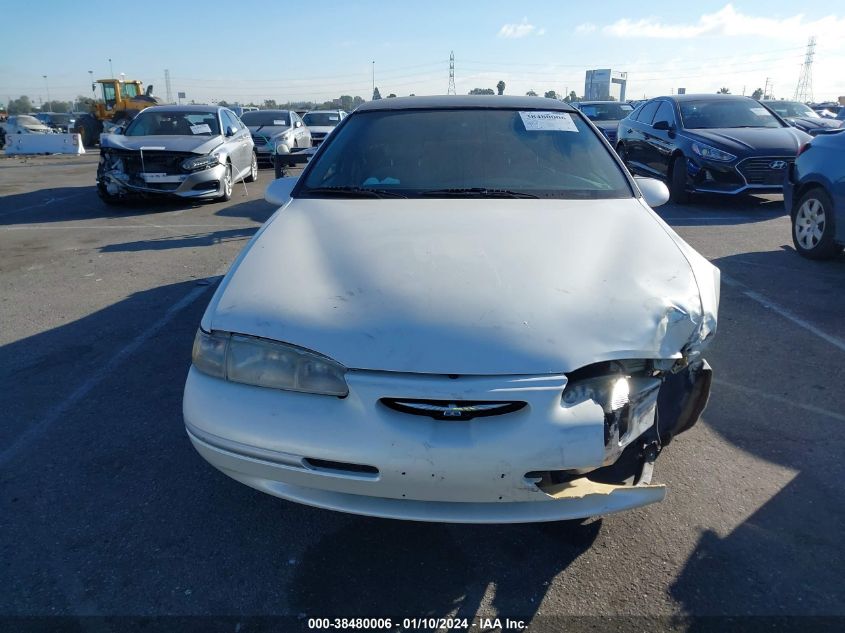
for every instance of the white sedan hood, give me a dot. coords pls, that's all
(480, 286)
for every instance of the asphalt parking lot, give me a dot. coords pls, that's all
(106, 509)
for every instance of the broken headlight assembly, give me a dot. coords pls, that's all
(111, 162)
(201, 162)
(265, 363)
(627, 398)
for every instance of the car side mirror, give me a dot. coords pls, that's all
(117, 130)
(278, 191)
(662, 125)
(230, 131)
(297, 124)
(655, 192)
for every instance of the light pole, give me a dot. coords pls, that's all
(91, 77)
(374, 77)
(47, 85)
(111, 69)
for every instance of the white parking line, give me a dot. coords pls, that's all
(42, 204)
(56, 412)
(785, 313)
(776, 398)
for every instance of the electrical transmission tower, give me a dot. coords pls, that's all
(804, 89)
(451, 90)
(169, 94)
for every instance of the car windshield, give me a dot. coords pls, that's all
(28, 120)
(322, 118)
(60, 119)
(469, 152)
(725, 113)
(793, 108)
(266, 118)
(606, 111)
(174, 123)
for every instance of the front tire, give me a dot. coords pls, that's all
(107, 198)
(253, 170)
(678, 181)
(227, 184)
(812, 225)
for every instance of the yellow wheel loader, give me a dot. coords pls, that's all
(120, 102)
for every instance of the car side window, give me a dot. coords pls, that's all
(665, 113)
(647, 113)
(229, 120)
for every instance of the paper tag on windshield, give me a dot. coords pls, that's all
(539, 121)
(334, 118)
(760, 111)
(279, 122)
(202, 128)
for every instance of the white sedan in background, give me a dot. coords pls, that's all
(464, 311)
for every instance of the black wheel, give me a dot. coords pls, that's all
(253, 170)
(812, 225)
(227, 183)
(90, 129)
(678, 181)
(278, 166)
(622, 153)
(107, 198)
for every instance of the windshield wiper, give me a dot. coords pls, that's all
(353, 192)
(477, 192)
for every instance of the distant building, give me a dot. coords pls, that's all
(682, 91)
(602, 84)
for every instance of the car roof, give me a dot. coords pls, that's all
(273, 111)
(183, 108)
(700, 96)
(598, 101)
(442, 102)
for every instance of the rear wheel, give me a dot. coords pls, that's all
(253, 170)
(812, 225)
(678, 181)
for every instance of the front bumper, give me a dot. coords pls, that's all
(356, 455)
(749, 175)
(207, 183)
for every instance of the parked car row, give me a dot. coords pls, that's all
(200, 151)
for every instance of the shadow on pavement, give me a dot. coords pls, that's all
(109, 510)
(65, 204)
(194, 240)
(396, 568)
(787, 557)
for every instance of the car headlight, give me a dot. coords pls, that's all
(201, 162)
(629, 404)
(711, 153)
(264, 363)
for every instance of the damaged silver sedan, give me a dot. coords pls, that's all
(183, 151)
(465, 310)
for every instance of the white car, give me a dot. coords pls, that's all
(25, 124)
(322, 123)
(465, 310)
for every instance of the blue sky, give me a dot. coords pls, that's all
(249, 50)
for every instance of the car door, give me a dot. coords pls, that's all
(301, 133)
(237, 143)
(635, 130)
(659, 141)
